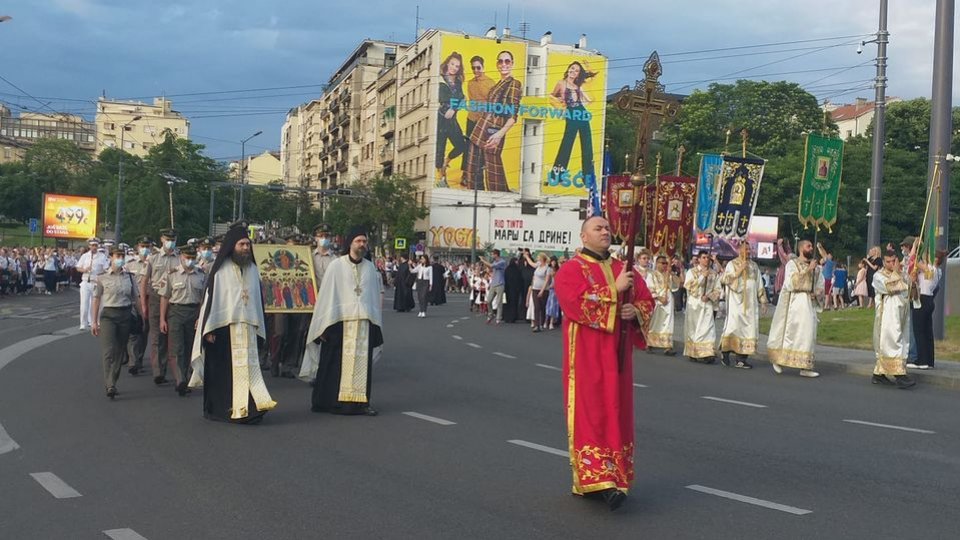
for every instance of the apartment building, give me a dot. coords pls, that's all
(854, 119)
(136, 125)
(328, 133)
(18, 133)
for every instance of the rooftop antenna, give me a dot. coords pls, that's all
(507, 25)
(416, 34)
(524, 25)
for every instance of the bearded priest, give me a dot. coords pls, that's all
(225, 355)
(347, 321)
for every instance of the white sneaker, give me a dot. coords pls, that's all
(776, 368)
(924, 367)
(809, 373)
(913, 366)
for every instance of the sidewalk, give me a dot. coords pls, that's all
(840, 360)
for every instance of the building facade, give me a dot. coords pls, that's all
(853, 119)
(262, 169)
(18, 133)
(138, 126)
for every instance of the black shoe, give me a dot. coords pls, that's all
(370, 412)
(670, 352)
(134, 370)
(614, 498)
(288, 375)
(904, 382)
(160, 380)
(275, 370)
(112, 392)
(182, 389)
(881, 379)
(709, 360)
(743, 364)
(725, 358)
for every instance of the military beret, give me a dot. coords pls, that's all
(168, 233)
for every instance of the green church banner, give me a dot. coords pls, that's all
(820, 187)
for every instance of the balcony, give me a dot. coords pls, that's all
(342, 165)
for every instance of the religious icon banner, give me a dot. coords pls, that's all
(737, 193)
(673, 208)
(286, 277)
(710, 165)
(820, 187)
(620, 204)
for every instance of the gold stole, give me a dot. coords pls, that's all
(247, 378)
(353, 367)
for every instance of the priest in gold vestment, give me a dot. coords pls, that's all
(662, 284)
(891, 332)
(745, 299)
(793, 332)
(699, 324)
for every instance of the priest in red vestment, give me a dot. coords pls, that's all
(598, 386)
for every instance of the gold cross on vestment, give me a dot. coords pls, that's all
(245, 297)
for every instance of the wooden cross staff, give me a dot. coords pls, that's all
(680, 152)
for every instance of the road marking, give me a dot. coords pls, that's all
(474, 345)
(428, 418)
(57, 487)
(123, 534)
(544, 366)
(888, 426)
(505, 355)
(735, 402)
(449, 326)
(456, 337)
(464, 318)
(751, 500)
(638, 385)
(455, 321)
(540, 447)
(12, 352)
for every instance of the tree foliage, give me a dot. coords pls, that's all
(386, 205)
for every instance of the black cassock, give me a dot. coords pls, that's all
(438, 293)
(218, 381)
(513, 291)
(326, 389)
(403, 294)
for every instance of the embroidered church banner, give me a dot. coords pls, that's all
(710, 165)
(286, 278)
(820, 187)
(737, 193)
(620, 204)
(673, 207)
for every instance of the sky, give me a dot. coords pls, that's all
(206, 55)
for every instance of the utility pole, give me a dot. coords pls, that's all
(473, 243)
(940, 139)
(243, 168)
(879, 128)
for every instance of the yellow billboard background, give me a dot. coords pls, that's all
(487, 49)
(69, 216)
(565, 173)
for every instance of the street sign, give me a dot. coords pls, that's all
(34, 225)
(399, 243)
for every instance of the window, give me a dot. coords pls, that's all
(109, 126)
(533, 61)
(533, 167)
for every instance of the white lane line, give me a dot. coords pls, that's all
(474, 345)
(123, 534)
(57, 487)
(12, 352)
(505, 355)
(464, 318)
(638, 385)
(540, 447)
(428, 418)
(888, 426)
(545, 366)
(456, 337)
(449, 326)
(735, 402)
(455, 321)
(750, 500)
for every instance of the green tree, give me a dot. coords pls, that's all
(387, 205)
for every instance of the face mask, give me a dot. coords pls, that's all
(189, 263)
(170, 244)
(119, 263)
(144, 251)
(206, 254)
(323, 242)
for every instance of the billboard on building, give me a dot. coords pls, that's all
(573, 121)
(69, 216)
(504, 228)
(479, 136)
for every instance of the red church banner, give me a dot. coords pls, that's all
(673, 209)
(619, 204)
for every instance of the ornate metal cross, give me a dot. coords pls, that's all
(646, 101)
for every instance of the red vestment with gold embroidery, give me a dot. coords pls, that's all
(598, 392)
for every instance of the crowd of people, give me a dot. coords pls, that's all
(37, 270)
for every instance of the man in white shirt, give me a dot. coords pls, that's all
(91, 265)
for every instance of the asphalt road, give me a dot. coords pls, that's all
(781, 459)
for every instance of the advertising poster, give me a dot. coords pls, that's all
(286, 274)
(69, 216)
(762, 238)
(479, 132)
(573, 117)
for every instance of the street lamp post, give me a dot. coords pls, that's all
(171, 180)
(243, 167)
(879, 128)
(117, 221)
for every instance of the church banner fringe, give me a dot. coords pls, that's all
(737, 192)
(820, 185)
